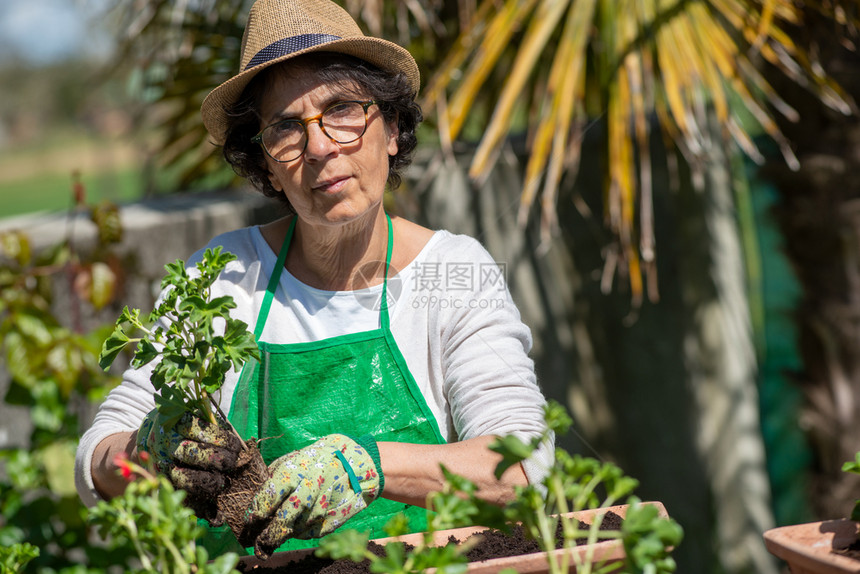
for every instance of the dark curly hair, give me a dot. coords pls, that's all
(393, 93)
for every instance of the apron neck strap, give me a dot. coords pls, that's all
(275, 279)
(383, 302)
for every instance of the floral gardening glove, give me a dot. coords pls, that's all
(194, 454)
(314, 490)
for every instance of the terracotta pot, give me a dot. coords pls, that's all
(608, 551)
(808, 548)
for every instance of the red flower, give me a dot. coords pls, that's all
(124, 464)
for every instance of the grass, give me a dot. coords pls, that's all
(53, 191)
(39, 175)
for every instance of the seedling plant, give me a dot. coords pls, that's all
(193, 335)
(573, 483)
(150, 519)
(196, 342)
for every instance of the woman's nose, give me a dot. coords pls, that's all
(319, 144)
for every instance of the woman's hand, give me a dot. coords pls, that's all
(314, 490)
(194, 454)
(107, 478)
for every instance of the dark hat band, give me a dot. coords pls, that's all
(288, 46)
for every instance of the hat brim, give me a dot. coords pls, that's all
(381, 53)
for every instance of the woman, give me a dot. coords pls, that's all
(382, 339)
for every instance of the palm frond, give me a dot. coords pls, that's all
(546, 68)
(688, 56)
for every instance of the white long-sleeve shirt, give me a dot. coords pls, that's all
(451, 315)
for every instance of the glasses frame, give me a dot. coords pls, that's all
(258, 139)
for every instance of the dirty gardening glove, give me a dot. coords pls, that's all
(194, 454)
(314, 490)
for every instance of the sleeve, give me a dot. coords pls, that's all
(122, 411)
(490, 382)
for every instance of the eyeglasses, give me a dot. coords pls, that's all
(286, 140)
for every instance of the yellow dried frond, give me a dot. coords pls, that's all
(714, 63)
(566, 146)
(671, 57)
(565, 86)
(499, 32)
(621, 184)
(764, 23)
(765, 121)
(754, 79)
(677, 75)
(731, 12)
(457, 55)
(538, 157)
(534, 42)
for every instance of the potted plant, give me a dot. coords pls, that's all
(823, 547)
(196, 342)
(565, 516)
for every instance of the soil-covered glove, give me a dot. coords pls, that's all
(194, 454)
(314, 490)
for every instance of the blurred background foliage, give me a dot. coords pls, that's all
(639, 128)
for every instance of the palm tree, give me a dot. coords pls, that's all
(623, 108)
(548, 68)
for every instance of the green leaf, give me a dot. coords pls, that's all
(557, 419)
(15, 557)
(22, 359)
(19, 395)
(16, 245)
(103, 284)
(58, 460)
(113, 346)
(448, 559)
(855, 512)
(648, 538)
(65, 363)
(346, 544)
(392, 562)
(192, 360)
(176, 274)
(852, 466)
(170, 407)
(34, 326)
(513, 451)
(146, 352)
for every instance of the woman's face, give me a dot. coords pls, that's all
(331, 183)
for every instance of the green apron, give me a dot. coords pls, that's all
(353, 384)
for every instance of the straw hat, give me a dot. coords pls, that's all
(278, 30)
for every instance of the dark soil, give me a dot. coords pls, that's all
(229, 506)
(851, 551)
(492, 544)
(249, 478)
